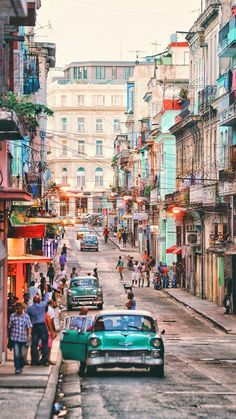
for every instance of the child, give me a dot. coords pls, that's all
(131, 303)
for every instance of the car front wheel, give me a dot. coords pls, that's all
(157, 371)
(69, 307)
(100, 306)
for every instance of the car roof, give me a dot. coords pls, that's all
(83, 229)
(125, 313)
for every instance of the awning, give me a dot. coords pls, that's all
(171, 249)
(45, 220)
(27, 231)
(177, 251)
(28, 259)
(12, 194)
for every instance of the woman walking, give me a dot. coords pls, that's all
(120, 267)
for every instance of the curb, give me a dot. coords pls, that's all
(213, 321)
(45, 407)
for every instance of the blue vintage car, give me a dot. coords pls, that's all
(89, 242)
(117, 338)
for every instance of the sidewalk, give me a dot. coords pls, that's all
(32, 392)
(205, 308)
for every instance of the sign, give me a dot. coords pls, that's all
(205, 195)
(140, 216)
(227, 188)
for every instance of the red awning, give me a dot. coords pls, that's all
(28, 259)
(28, 231)
(12, 194)
(171, 249)
(177, 251)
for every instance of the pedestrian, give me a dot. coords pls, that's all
(42, 285)
(95, 273)
(145, 257)
(33, 290)
(51, 273)
(62, 232)
(227, 303)
(36, 271)
(120, 267)
(56, 244)
(62, 261)
(124, 237)
(131, 303)
(135, 273)
(165, 276)
(106, 234)
(147, 271)
(152, 262)
(119, 235)
(142, 275)
(64, 249)
(36, 313)
(73, 273)
(51, 335)
(174, 275)
(20, 333)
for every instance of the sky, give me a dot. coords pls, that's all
(111, 29)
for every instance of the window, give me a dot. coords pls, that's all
(81, 124)
(114, 73)
(116, 125)
(99, 125)
(81, 146)
(80, 100)
(128, 72)
(98, 177)
(99, 100)
(80, 177)
(64, 149)
(64, 124)
(117, 100)
(99, 148)
(63, 100)
(80, 73)
(100, 73)
(64, 175)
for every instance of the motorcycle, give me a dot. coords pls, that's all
(157, 282)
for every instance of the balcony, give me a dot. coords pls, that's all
(178, 197)
(227, 110)
(204, 195)
(205, 97)
(227, 39)
(9, 126)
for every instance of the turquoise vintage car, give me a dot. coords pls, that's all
(84, 290)
(121, 339)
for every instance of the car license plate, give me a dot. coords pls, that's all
(124, 359)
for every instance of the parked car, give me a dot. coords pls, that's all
(84, 290)
(81, 232)
(116, 338)
(89, 242)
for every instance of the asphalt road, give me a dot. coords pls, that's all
(200, 360)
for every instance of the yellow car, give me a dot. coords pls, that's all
(68, 221)
(81, 232)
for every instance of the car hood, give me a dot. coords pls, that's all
(124, 340)
(83, 291)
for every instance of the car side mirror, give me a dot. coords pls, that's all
(163, 332)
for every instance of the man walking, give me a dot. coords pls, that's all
(62, 261)
(124, 238)
(120, 266)
(36, 313)
(20, 333)
(106, 234)
(51, 273)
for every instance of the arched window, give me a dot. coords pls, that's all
(98, 177)
(80, 177)
(64, 175)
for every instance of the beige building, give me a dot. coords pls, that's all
(88, 104)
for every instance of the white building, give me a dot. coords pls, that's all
(89, 105)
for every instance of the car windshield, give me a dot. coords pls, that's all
(84, 282)
(83, 230)
(124, 323)
(90, 238)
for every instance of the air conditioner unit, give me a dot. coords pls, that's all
(193, 238)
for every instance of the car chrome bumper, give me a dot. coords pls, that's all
(84, 302)
(123, 361)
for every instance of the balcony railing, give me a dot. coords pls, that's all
(178, 197)
(206, 96)
(227, 37)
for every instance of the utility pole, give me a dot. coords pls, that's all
(137, 52)
(155, 43)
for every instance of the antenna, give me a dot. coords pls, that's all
(137, 52)
(155, 43)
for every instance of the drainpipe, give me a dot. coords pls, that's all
(203, 258)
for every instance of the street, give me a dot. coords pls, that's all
(200, 363)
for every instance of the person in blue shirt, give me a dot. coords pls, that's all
(36, 312)
(131, 303)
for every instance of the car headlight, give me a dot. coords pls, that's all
(99, 292)
(69, 292)
(94, 342)
(156, 342)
